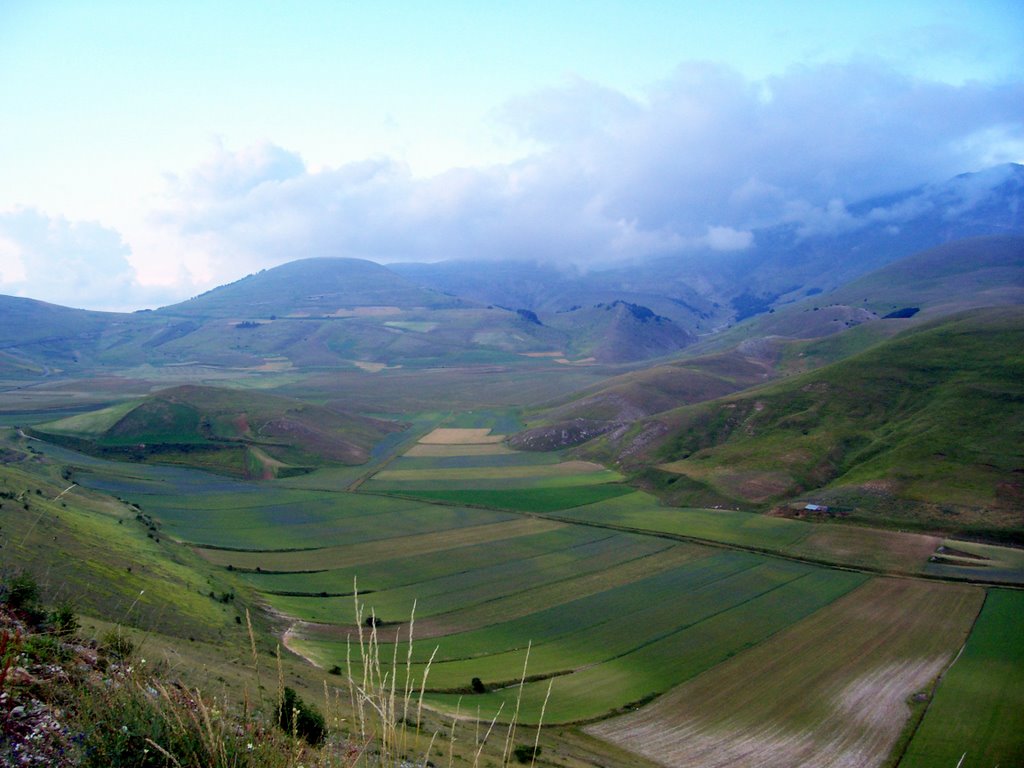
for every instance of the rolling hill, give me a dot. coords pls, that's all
(234, 432)
(925, 430)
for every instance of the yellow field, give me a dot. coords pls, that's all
(453, 436)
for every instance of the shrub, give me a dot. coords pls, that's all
(526, 753)
(478, 685)
(22, 592)
(63, 619)
(307, 723)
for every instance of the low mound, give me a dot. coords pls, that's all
(229, 431)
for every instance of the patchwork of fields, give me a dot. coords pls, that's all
(710, 648)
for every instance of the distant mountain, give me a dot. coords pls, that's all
(248, 434)
(330, 313)
(702, 290)
(924, 430)
(35, 335)
(313, 287)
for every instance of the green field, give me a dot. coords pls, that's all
(829, 690)
(884, 551)
(620, 600)
(977, 714)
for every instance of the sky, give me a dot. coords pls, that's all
(151, 151)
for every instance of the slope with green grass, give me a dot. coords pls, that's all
(924, 430)
(242, 433)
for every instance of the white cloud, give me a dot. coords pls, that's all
(78, 264)
(728, 239)
(706, 157)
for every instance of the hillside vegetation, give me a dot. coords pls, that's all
(926, 429)
(247, 434)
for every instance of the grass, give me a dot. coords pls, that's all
(977, 715)
(930, 418)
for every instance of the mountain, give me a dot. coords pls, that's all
(234, 432)
(702, 290)
(925, 429)
(313, 287)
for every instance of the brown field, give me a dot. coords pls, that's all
(829, 691)
(884, 550)
(453, 436)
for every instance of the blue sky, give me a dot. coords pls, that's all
(170, 147)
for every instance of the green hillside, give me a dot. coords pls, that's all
(924, 430)
(242, 433)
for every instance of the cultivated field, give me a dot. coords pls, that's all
(831, 690)
(977, 716)
(610, 599)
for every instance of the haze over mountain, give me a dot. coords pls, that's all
(350, 312)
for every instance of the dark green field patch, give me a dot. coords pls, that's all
(976, 719)
(527, 499)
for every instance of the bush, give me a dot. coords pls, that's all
(63, 619)
(525, 753)
(22, 592)
(478, 685)
(117, 645)
(308, 722)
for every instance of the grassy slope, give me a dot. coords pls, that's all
(241, 433)
(926, 428)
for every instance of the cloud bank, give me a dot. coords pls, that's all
(705, 158)
(693, 167)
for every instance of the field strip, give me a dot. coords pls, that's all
(400, 570)
(378, 549)
(598, 690)
(490, 473)
(459, 590)
(438, 450)
(460, 436)
(519, 605)
(828, 691)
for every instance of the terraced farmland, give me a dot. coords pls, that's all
(472, 466)
(616, 601)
